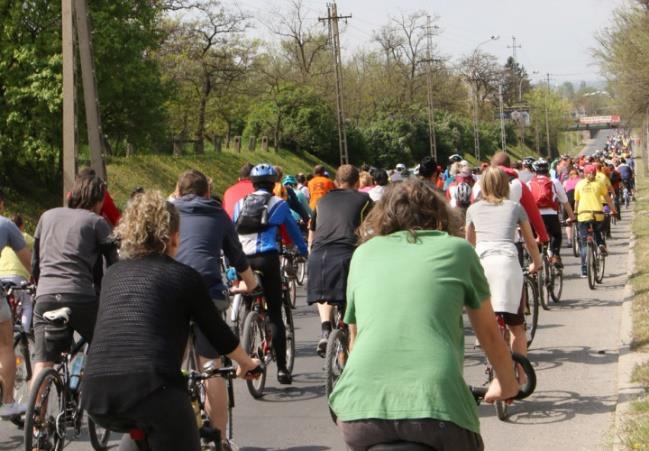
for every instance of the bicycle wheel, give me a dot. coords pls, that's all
(301, 271)
(44, 418)
(556, 286)
(591, 265)
(575, 240)
(523, 363)
(601, 264)
(292, 291)
(531, 306)
(287, 317)
(501, 410)
(541, 287)
(99, 437)
(254, 343)
(335, 359)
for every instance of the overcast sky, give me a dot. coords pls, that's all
(556, 36)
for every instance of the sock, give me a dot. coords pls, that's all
(326, 326)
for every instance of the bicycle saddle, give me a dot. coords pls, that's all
(62, 314)
(400, 446)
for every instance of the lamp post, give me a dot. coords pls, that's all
(476, 134)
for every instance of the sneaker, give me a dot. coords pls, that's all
(13, 409)
(284, 377)
(321, 349)
(556, 262)
(584, 274)
(603, 250)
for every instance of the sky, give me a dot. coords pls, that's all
(556, 36)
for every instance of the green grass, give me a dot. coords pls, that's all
(571, 143)
(29, 198)
(637, 423)
(516, 153)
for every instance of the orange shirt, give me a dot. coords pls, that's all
(318, 187)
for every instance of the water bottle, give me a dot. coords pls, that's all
(75, 370)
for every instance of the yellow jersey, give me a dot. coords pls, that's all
(588, 195)
(10, 265)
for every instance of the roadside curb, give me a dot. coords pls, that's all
(627, 391)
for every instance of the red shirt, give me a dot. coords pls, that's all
(235, 193)
(110, 211)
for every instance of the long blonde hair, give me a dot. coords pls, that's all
(147, 225)
(494, 185)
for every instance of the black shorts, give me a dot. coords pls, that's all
(328, 271)
(514, 319)
(82, 320)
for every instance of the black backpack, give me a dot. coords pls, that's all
(253, 217)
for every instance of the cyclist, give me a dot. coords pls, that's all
(205, 231)
(301, 185)
(133, 372)
(549, 196)
(381, 178)
(290, 183)
(257, 218)
(332, 238)
(319, 185)
(491, 227)
(239, 190)
(399, 174)
(69, 244)
(460, 189)
(588, 204)
(10, 236)
(569, 186)
(409, 283)
(626, 174)
(525, 173)
(429, 171)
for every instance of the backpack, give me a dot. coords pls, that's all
(615, 177)
(463, 194)
(253, 216)
(542, 190)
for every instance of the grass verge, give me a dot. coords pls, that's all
(637, 423)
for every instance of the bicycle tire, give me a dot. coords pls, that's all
(335, 359)
(601, 266)
(252, 341)
(591, 261)
(530, 385)
(23, 369)
(292, 291)
(99, 436)
(531, 303)
(575, 240)
(501, 410)
(301, 271)
(42, 389)
(541, 288)
(287, 317)
(557, 284)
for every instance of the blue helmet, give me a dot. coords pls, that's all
(263, 173)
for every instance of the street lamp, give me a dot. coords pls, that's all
(476, 135)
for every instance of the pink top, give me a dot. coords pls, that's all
(366, 189)
(571, 183)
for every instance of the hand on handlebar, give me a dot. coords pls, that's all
(498, 393)
(534, 267)
(251, 370)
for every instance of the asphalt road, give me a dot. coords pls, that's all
(575, 355)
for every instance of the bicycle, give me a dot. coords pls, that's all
(53, 405)
(256, 337)
(22, 345)
(530, 299)
(210, 437)
(575, 239)
(519, 361)
(595, 259)
(289, 270)
(337, 352)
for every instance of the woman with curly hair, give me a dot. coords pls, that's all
(147, 300)
(408, 285)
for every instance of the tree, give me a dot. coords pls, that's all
(516, 83)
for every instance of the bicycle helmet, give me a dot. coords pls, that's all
(289, 180)
(528, 162)
(263, 173)
(463, 194)
(455, 158)
(540, 165)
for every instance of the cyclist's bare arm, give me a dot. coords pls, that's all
(470, 234)
(491, 340)
(568, 208)
(532, 247)
(25, 257)
(249, 282)
(353, 330)
(611, 205)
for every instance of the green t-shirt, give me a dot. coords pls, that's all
(406, 299)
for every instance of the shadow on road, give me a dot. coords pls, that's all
(545, 407)
(547, 358)
(293, 448)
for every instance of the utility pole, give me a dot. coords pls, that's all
(503, 135)
(476, 130)
(514, 47)
(334, 38)
(69, 100)
(429, 85)
(547, 123)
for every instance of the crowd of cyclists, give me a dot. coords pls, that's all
(403, 251)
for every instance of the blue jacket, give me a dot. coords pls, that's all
(279, 214)
(205, 231)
